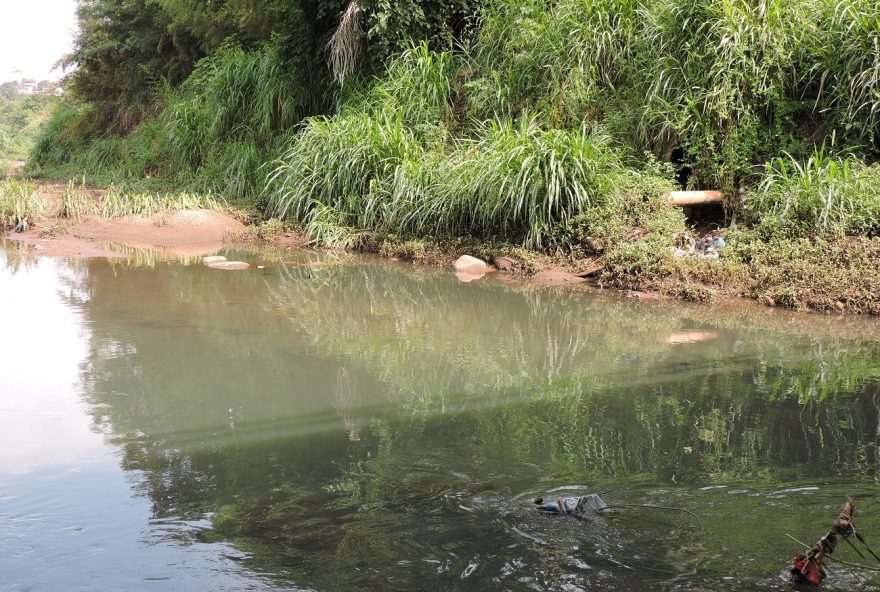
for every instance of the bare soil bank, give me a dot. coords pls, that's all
(184, 233)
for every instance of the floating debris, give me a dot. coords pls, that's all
(585, 505)
(579, 506)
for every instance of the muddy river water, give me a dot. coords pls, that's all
(331, 423)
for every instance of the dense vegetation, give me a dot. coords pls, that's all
(21, 120)
(551, 124)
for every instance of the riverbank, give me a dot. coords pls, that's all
(828, 275)
(823, 275)
(58, 220)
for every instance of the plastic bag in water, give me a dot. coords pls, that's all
(585, 504)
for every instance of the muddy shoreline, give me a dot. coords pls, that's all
(197, 232)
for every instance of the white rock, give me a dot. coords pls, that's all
(471, 264)
(213, 260)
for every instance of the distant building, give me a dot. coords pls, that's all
(27, 86)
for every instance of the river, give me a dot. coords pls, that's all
(331, 422)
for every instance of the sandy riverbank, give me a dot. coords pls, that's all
(188, 232)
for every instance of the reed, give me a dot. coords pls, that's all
(118, 204)
(76, 205)
(20, 202)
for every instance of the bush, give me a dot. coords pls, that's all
(824, 195)
(66, 134)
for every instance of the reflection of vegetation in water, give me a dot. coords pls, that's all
(15, 256)
(326, 414)
(437, 346)
(538, 337)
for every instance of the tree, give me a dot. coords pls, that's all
(9, 90)
(123, 51)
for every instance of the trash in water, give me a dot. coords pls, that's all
(579, 506)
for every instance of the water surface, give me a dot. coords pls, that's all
(346, 424)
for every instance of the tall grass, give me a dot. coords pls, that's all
(19, 201)
(536, 121)
(65, 135)
(339, 170)
(846, 53)
(719, 75)
(823, 195)
(233, 95)
(370, 172)
(119, 203)
(517, 181)
(340, 164)
(551, 57)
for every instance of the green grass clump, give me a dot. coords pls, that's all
(824, 195)
(371, 172)
(118, 204)
(552, 59)
(76, 204)
(339, 173)
(65, 134)
(230, 117)
(19, 201)
(518, 181)
(336, 167)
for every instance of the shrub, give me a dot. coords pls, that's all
(824, 195)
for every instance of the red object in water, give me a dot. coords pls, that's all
(813, 574)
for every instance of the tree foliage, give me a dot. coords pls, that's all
(127, 51)
(122, 52)
(21, 120)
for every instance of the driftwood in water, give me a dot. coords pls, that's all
(808, 568)
(694, 198)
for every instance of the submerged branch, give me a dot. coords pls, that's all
(808, 568)
(835, 559)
